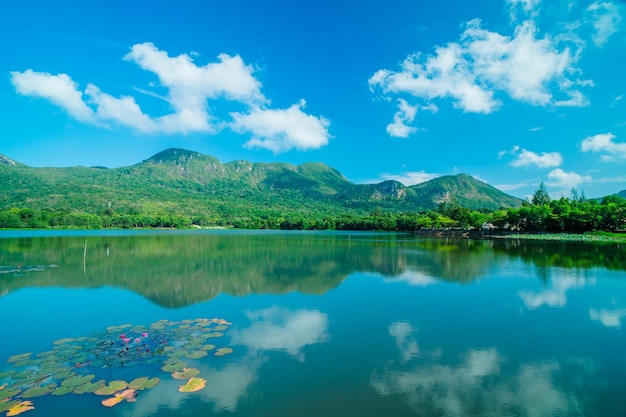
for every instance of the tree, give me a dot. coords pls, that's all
(541, 196)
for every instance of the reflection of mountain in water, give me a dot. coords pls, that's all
(177, 269)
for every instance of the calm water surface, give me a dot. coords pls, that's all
(325, 324)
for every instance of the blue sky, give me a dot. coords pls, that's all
(512, 92)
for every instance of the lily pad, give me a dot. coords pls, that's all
(112, 388)
(223, 351)
(207, 347)
(7, 392)
(197, 354)
(7, 374)
(62, 390)
(220, 327)
(129, 395)
(20, 357)
(75, 381)
(193, 385)
(38, 390)
(143, 383)
(174, 366)
(20, 408)
(89, 387)
(186, 373)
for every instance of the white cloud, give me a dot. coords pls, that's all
(121, 110)
(566, 180)
(604, 143)
(190, 87)
(545, 160)
(528, 8)
(483, 63)
(608, 318)
(282, 129)
(408, 178)
(405, 114)
(59, 89)
(283, 330)
(605, 18)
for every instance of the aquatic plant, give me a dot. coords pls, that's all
(73, 364)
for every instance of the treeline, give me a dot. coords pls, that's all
(572, 215)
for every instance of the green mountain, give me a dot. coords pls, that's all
(179, 180)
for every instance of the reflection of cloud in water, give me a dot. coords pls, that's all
(225, 387)
(402, 331)
(555, 296)
(415, 278)
(271, 329)
(283, 330)
(478, 386)
(608, 318)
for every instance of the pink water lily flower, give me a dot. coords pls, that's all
(144, 334)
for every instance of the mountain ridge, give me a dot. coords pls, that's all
(197, 182)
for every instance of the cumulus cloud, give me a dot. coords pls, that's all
(60, 89)
(566, 180)
(282, 129)
(605, 18)
(405, 114)
(604, 143)
(122, 110)
(190, 88)
(545, 160)
(483, 65)
(524, 66)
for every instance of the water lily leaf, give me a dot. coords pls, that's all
(38, 390)
(129, 395)
(75, 381)
(193, 385)
(26, 362)
(207, 347)
(7, 374)
(174, 366)
(6, 405)
(20, 408)
(186, 373)
(179, 353)
(118, 385)
(223, 351)
(62, 390)
(143, 383)
(220, 327)
(20, 357)
(63, 373)
(45, 354)
(89, 387)
(63, 341)
(7, 392)
(196, 354)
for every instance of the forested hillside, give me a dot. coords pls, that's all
(178, 184)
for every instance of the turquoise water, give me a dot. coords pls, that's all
(333, 324)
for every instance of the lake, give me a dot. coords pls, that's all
(309, 324)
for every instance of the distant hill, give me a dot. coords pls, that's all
(622, 194)
(183, 180)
